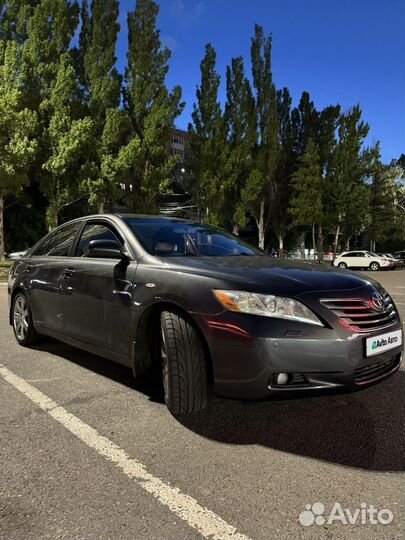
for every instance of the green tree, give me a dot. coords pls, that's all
(47, 66)
(208, 141)
(101, 89)
(306, 206)
(17, 128)
(151, 111)
(280, 219)
(260, 185)
(14, 17)
(348, 169)
(241, 130)
(69, 141)
(305, 123)
(386, 188)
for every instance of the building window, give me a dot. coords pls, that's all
(177, 140)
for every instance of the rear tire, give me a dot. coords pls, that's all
(184, 365)
(23, 326)
(374, 266)
(342, 265)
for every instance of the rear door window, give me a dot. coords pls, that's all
(58, 244)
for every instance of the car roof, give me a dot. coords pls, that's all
(148, 216)
(354, 251)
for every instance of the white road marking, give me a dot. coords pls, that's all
(206, 522)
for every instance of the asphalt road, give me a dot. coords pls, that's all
(105, 459)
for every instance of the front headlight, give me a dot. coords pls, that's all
(266, 305)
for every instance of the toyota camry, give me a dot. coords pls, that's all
(209, 310)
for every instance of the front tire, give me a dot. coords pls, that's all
(184, 365)
(374, 266)
(23, 326)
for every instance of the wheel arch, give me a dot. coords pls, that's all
(145, 352)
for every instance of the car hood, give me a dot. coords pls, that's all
(270, 275)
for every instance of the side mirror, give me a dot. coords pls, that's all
(106, 249)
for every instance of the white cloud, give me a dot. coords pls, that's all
(186, 11)
(170, 42)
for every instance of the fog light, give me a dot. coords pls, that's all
(282, 378)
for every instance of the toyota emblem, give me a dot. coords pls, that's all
(377, 300)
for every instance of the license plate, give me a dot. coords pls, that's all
(384, 342)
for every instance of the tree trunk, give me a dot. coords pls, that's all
(320, 243)
(348, 243)
(2, 243)
(313, 240)
(281, 245)
(260, 226)
(52, 217)
(235, 229)
(302, 245)
(101, 207)
(372, 245)
(336, 242)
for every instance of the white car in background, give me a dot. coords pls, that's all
(362, 259)
(15, 255)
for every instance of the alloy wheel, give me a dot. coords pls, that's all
(20, 317)
(164, 364)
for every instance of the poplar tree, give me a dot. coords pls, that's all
(208, 141)
(286, 165)
(385, 186)
(101, 90)
(68, 140)
(241, 129)
(306, 207)
(17, 129)
(47, 66)
(150, 108)
(260, 185)
(346, 201)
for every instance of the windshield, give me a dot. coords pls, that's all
(168, 238)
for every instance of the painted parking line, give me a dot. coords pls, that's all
(206, 522)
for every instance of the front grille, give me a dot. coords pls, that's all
(360, 315)
(375, 371)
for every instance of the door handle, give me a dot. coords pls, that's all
(69, 272)
(124, 294)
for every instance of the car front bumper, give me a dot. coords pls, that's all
(249, 352)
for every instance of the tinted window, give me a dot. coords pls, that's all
(93, 231)
(166, 237)
(59, 243)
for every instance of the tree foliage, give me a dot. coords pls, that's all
(17, 128)
(150, 109)
(73, 129)
(208, 137)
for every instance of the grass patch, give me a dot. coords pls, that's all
(3, 273)
(4, 269)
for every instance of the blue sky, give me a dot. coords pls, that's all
(341, 51)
